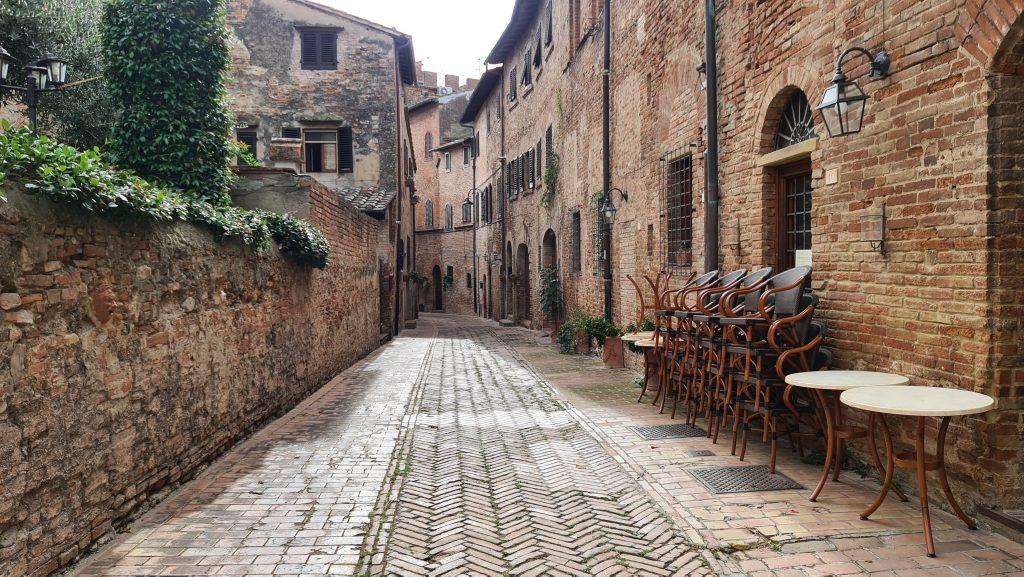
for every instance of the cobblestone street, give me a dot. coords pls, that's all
(465, 449)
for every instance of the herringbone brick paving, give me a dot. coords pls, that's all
(502, 480)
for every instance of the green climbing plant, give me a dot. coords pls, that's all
(550, 293)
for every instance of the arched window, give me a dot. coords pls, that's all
(467, 212)
(428, 146)
(428, 215)
(448, 224)
(796, 124)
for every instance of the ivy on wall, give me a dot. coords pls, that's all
(170, 61)
(61, 173)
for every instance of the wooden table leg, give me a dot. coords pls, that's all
(922, 487)
(830, 441)
(889, 460)
(940, 454)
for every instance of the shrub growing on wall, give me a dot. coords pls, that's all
(167, 62)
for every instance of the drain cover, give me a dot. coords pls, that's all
(674, 431)
(700, 453)
(750, 479)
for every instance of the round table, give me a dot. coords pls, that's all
(920, 402)
(825, 384)
(633, 337)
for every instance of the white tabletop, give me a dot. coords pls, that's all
(646, 335)
(844, 380)
(918, 401)
(645, 344)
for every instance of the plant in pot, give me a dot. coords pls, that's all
(608, 335)
(572, 335)
(551, 298)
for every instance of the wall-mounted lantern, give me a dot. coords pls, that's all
(874, 228)
(608, 207)
(844, 103)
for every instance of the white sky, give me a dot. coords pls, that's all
(450, 37)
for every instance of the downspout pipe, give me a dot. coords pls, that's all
(474, 147)
(711, 217)
(606, 154)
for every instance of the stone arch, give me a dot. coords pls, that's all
(984, 28)
(797, 77)
(549, 250)
(1005, 143)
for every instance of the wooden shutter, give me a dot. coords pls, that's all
(328, 48)
(346, 156)
(310, 49)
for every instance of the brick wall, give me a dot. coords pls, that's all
(940, 150)
(132, 354)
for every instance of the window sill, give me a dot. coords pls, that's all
(512, 105)
(527, 90)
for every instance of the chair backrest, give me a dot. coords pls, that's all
(787, 290)
(725, 282)
(755, 278)
(704, 281)
(808, 356)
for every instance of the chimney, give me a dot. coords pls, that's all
(419, 72)
(452, 82)
(430, 79)
(471, 84)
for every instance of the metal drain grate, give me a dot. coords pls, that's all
(674, 431)
(700, 453)
(754, 478)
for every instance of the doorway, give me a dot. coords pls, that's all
(523, 283)
(793, 234)
(435, 281)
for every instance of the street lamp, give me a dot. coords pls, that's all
(47, 75)
(608, 207)
(843, 105)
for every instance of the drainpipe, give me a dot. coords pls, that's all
(476, 224)
(711, 217)
(504, 200)
(607, 155)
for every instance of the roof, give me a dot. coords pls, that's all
(522, 18)
(421, 104)
(403, 42)
(445, 99)
(369, 199)
(483, 91)
(452, 144)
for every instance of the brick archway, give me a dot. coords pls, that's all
(984, 29)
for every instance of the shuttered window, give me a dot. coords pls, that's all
(319, 49)
(329, 151)
(291, 132)
(346, 156)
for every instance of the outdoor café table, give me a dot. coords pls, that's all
(920, 402)
(633, 337)
(825, 384)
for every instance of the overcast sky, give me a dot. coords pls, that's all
(451, 37)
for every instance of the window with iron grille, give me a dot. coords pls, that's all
(319, 49)
(249, 139)
(679, 203)
(575, 245)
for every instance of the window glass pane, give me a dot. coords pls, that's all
(321, 136)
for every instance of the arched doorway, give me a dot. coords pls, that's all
(506, 282)
(522, 284)
(789, 126)
(549, 250)
(435, 282)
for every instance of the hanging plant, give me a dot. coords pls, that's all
(550, 293)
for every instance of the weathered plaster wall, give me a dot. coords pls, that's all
(132, 354)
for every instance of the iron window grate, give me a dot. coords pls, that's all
(748, 479)
(679, 201)
(673, 431)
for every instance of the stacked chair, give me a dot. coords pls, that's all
(723, 345)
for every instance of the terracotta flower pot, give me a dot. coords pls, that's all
(612, 353)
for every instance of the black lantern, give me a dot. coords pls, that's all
(56, 68)
(608, 210)
(6, 61)
(843, 105)
(39, 74)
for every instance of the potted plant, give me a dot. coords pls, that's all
(608, 335)
(551, 299)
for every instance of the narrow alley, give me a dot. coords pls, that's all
(466, 449)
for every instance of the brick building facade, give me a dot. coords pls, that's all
(939, 155)
(323, 92)
(445, 188)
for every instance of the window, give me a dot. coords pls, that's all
(538, 164)
(465, 155)
(487, 210)
(467, 212)
(527, 70)
(575, 249)
(428, 214)
(346, 154)
(428, 146)
(291, 132)
(531, 157)
(549, 140)
(447, 162)
(448, 218)
(249, 139)
(796, 123)
(469, 280)
(319, 49)
(449, 272)
(321, 151)
(487, 116)
(574, 24)
(513, 85)
(538, 52)
(549, 38)
(680, 210)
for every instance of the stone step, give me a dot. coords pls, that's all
(507, 322)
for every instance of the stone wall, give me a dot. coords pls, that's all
(131, 354)
(940, 151)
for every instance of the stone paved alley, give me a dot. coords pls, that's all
(466, 449)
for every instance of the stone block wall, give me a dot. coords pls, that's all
(132, 354)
